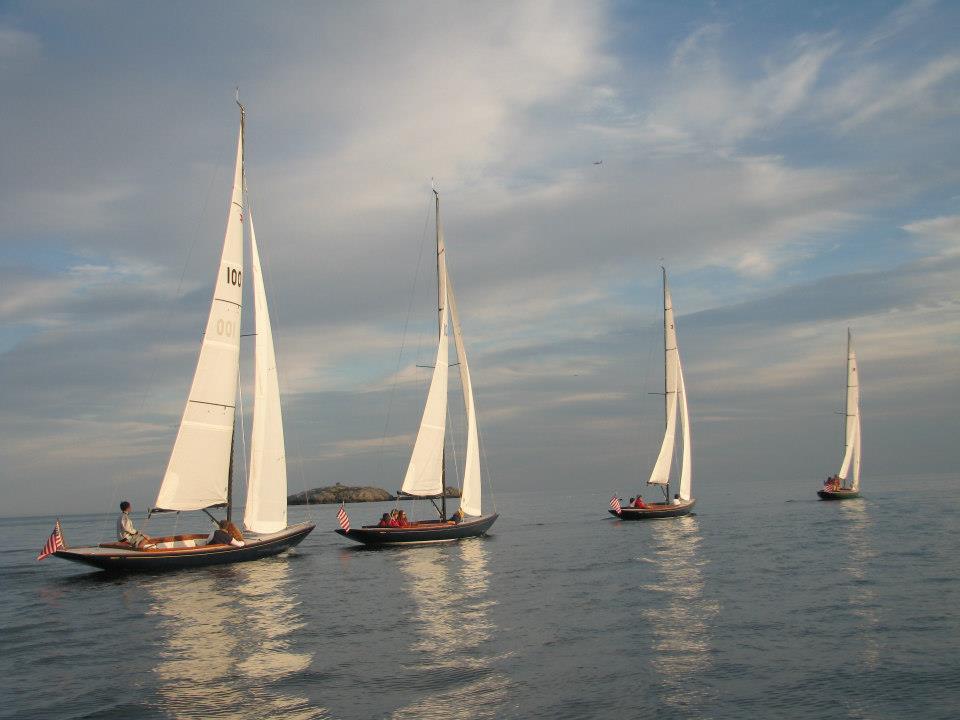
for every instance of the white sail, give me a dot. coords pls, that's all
(661, 469)
(851, 453)
(425, 471)
(470, 494)
(266, 508)
(197, 473)
(686, 469)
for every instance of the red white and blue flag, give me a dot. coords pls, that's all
(343, 519)
(615, 504)
(54, 543)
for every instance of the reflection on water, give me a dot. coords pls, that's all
(449, 587)
(863, 598)
(681, 621)
(227, 642)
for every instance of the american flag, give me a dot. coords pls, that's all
(54, 543)
(615, 504)
(343, 519)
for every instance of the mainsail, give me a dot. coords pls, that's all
(266, 508)
(675, 403)
(197, 473)
(661, 469)
(851, 454)
(425, 471)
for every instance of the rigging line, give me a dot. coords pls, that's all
(166, 320)
(652, 340)
(177, 294)
(403, 339)
(453, 449)
(243, 449)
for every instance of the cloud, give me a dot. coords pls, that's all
(903, 17)
(773, 168)
(17, 44)
(941, 234)
(871, 95)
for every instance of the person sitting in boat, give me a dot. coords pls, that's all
(127, 533)
(457, 517)
(402, 519)
(394, 518)
(676, 499)
(639, 503)
(384, 521)
(832, 483)
(226, 534)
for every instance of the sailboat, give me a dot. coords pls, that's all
(426, 471)
(675, 404)
(846, 483)
(199, 474)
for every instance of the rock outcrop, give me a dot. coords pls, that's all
(345, 494)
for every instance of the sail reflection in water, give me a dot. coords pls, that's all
(680, 621)
(449, 586)
(227, 643)
(863, 598)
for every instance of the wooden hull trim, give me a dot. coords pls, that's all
(420, 533)
(654, 511)
(114, 558)
(838, 494)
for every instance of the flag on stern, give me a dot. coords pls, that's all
(54, 543)
(343, 519)
(615, 504)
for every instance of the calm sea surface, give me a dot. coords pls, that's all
(782, 606)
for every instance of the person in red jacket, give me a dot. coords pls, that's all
(384, 521)
(639, 503)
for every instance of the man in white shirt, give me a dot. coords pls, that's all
(126, 532)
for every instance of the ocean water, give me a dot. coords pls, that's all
(766, 604)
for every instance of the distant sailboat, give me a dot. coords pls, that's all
(846, 483)
(426, 472)
(199, 474)
(675, 403)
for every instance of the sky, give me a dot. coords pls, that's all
(795, 166)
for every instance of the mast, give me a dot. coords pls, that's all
(233, 438)
(441, 306)
(243, 192)
(666, 403)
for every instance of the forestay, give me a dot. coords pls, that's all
(266, 508)
(197, 473)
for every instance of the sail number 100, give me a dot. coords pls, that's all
(234, 276)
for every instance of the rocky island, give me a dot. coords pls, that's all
(346, 494)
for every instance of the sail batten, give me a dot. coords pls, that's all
(197, 472)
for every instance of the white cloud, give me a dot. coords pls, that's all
(940, 234)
